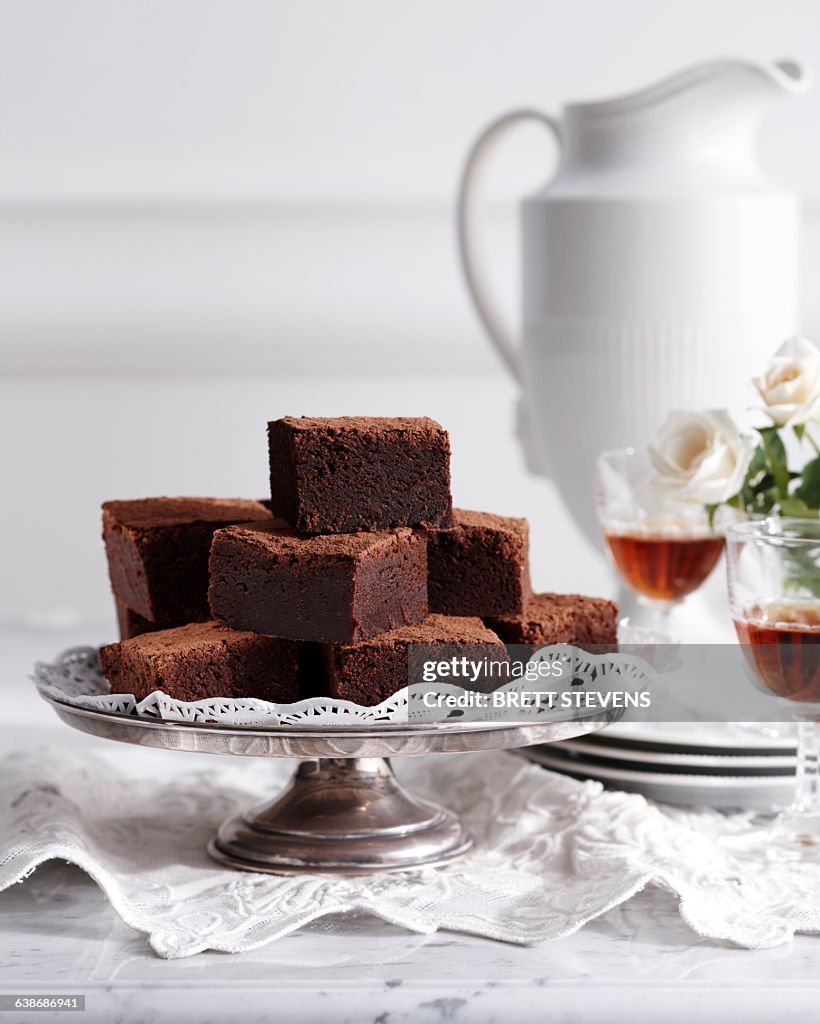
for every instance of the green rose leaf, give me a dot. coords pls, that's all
(757, 467)
(796, 508)
(809, 490)
(776, 460)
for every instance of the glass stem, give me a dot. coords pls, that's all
(659, 612)
(807, 791)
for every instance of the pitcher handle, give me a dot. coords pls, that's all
(500, 332)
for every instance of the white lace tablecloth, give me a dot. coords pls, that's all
(552, 853)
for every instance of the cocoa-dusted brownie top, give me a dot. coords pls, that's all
(201, 660)
(289, 545)
(421, 425)
(436, 629)
(490, 521)
(148, 513)
(596, 618)
(559, 619)
(181, 638)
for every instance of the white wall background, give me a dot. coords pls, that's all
(337, 99)
(214, 212)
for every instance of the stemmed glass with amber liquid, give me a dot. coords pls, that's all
(663, 554)
(773, 568)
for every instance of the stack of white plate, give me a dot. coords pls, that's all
(718, 765)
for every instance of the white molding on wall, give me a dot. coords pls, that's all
(197, 287)
(237, 287)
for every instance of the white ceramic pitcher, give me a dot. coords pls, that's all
(659, 265)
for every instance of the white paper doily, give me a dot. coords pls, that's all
(551, 854)
(75, 679)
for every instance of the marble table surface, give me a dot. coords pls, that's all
(638, 962)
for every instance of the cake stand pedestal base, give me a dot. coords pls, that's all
(343, 816)
(343, 811)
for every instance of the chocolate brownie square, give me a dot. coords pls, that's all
(358, 473)
(560, 619)
(369, 672)
(480, 566)
(203, 659)
(333, 588)
(158, 551)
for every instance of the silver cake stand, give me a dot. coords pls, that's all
(343, 810)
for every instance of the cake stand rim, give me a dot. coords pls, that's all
(426, 738)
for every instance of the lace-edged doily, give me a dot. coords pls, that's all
(75, 678)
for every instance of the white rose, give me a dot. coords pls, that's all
(699, 457)
(790, 387)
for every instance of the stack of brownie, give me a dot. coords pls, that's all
(359, 556)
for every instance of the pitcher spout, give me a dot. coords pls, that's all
(721, 80)
(790, 76)
(705, 117)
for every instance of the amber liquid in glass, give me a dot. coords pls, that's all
(780, 643)
(666, 568)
